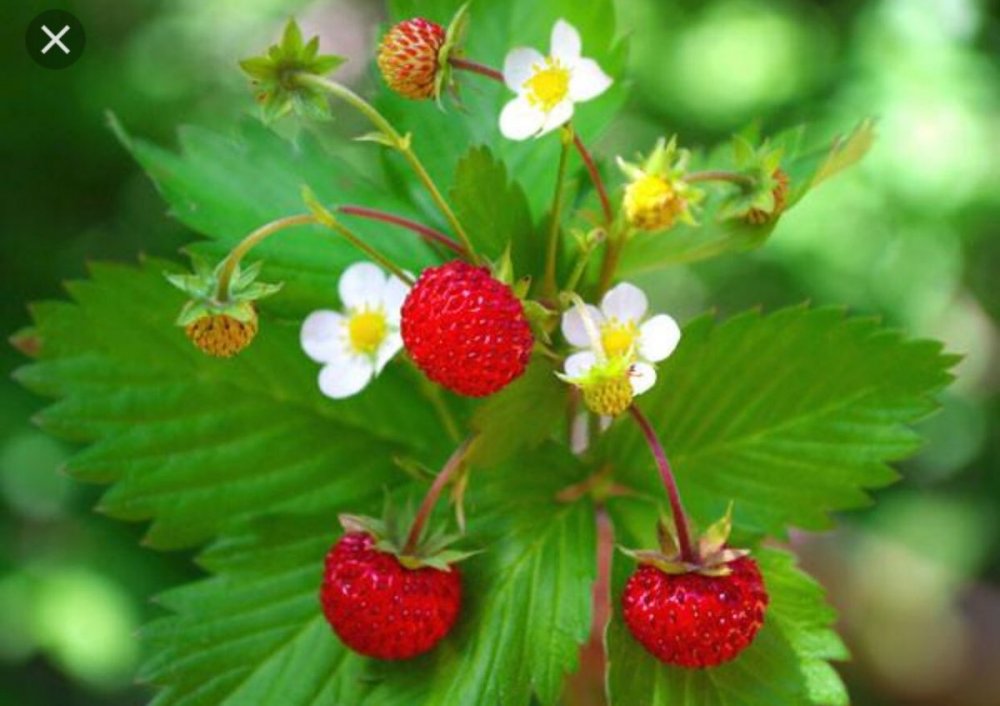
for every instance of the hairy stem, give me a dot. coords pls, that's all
(451, 467)
(367, 249)
(476, 68)
(424, 231)
(676, 508)
(232, 260)
(398, 142)
(551, 287)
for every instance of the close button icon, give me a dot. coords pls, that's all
(55, 39)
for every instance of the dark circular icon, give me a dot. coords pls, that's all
(55, 39)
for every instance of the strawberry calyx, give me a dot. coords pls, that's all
(390, 533)
(712, 555)
(202, 286)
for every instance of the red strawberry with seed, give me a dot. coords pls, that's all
(695, 620)
(465, 329)
(383, 609)
(409, 57)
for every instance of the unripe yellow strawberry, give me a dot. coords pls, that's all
(220, 335)
(652, 203)
(608, 396)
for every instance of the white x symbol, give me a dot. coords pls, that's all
(55, 39)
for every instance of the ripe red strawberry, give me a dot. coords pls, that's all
(466, 330)
(382, 609)
(694, 620)
(408, 57)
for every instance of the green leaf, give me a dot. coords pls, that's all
(196, 444)
(792, 416)
(786, 664)
(496, 26)
(522, 415)
(495, 212)
(224, 188)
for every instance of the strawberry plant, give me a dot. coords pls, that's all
(464, 302)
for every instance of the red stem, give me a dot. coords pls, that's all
(419, 228)
(595, 176)
(680, 519)
(451, 466)
(588, 160)
(476, 68)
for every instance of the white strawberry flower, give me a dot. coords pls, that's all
(354, 345)
(619, 334)
(547, 87)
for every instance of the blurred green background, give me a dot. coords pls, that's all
(910, 235)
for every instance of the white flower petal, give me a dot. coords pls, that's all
(566, 42)
(658, 338)
(625, 302)
(573, 328)
(557, 117)
(345, 377)
(578, 364)
(392, 298)
(518, 66)
(587, 81)
(519, 120)
(389, 347)
(642, 376)
(361, 286)
(322, 335)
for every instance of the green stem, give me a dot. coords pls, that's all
(451, 467)
(743, 180)
(397, 141)
(673, 494)
(367, 249)
(581, 264)
(566, 136)
(232, 260)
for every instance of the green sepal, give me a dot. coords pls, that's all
(541, 319)
(716, 536)
(452, 47)
(503, 268)
(390, 532)
(273, 75)
(202, 287)
(759, 164)
(712, 556)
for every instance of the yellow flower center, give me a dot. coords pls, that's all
(618, 339)
(548, 85)
(652, 203)
(367, 330)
